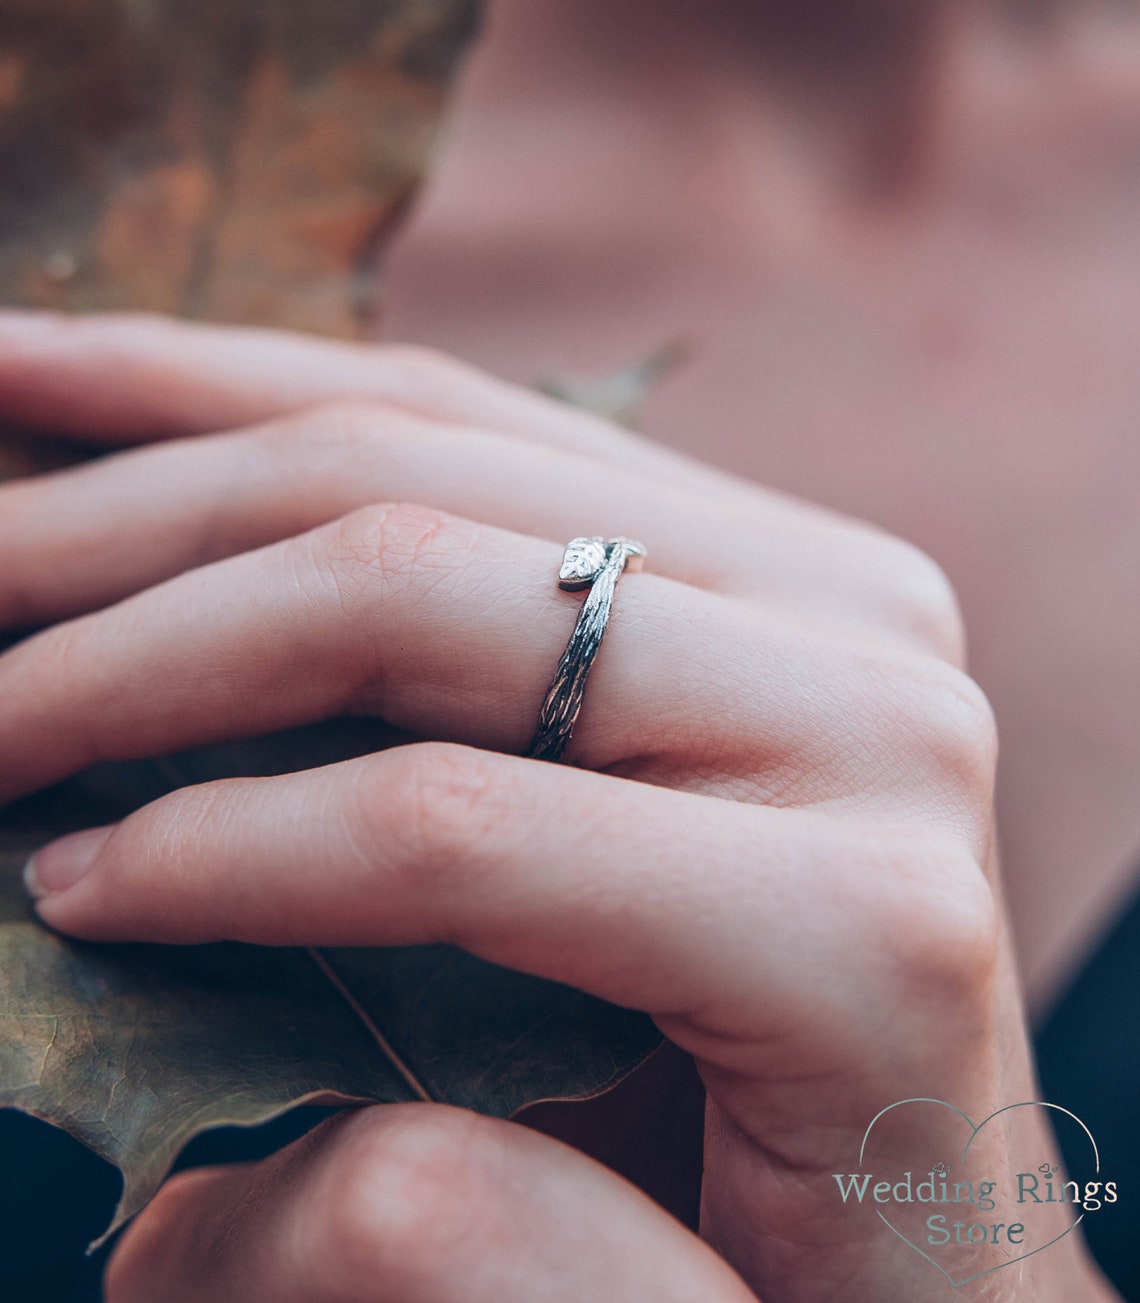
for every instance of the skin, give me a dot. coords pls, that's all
(782, 849)
(900, 243)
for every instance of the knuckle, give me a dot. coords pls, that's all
(945, 735)
(453, 809)
(920, 601)
(387, 544)
(964, 733)
(939, 920)
(397, 1199)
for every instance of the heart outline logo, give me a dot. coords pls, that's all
(956, 1284)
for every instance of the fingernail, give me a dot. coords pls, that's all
(60, 864)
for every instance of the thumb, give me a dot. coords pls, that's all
(414, 1203)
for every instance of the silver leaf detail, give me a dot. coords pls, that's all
(581, 561)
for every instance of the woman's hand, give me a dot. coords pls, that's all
(774, 834)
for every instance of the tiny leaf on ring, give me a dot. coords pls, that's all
(581, 561)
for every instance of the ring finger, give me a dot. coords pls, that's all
(451, 630)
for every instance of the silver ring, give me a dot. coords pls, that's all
(594, 564)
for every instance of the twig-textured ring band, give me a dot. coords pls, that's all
(594, 564)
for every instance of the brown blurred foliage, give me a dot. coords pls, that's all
(233, 160)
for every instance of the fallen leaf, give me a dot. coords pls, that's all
(236, 160)
(232, 160)
(135, 1049)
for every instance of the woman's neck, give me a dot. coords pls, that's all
(877, 95)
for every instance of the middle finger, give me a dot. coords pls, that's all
(93, 534)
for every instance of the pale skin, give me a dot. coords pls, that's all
(900, 242)
(782, 845)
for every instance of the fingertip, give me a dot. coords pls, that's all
(58, 866)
